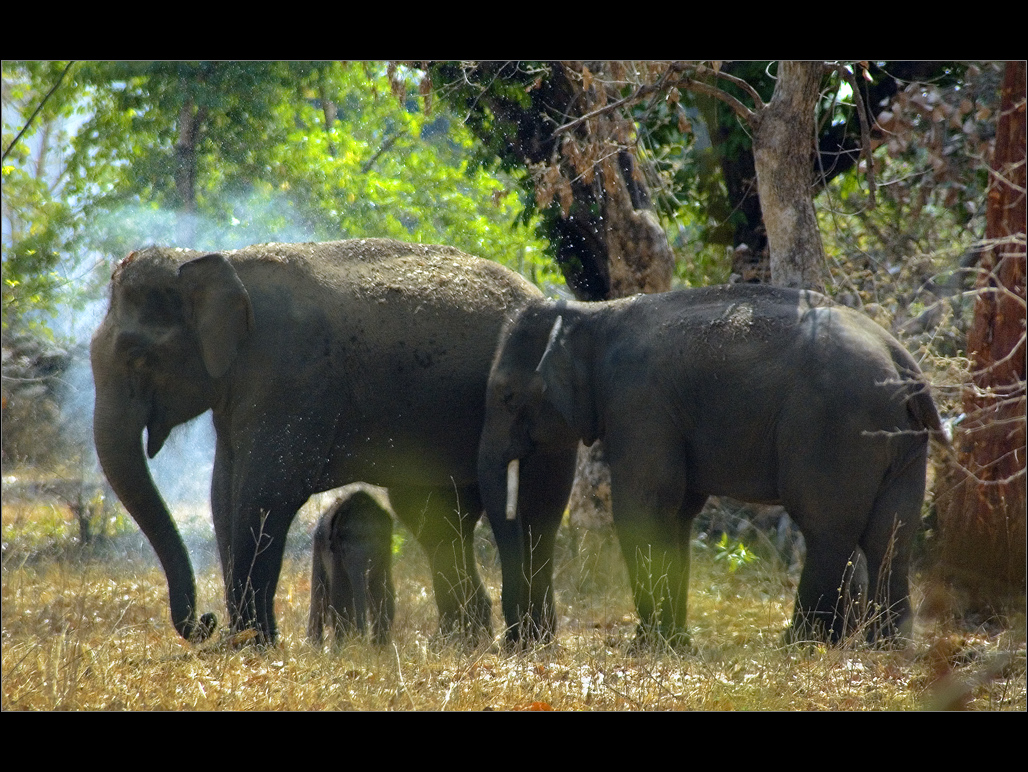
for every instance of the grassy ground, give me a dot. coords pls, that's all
(89, 630)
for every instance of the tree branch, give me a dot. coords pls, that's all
(865, 132)
(385, 147)
(36, 111)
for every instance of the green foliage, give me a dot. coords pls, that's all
(36, 215)
(224, 154)
(734, 553)
(269, 168)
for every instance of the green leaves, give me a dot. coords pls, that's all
(222, 154)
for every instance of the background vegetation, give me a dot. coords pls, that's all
(222, 154)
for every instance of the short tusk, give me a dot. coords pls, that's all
(513, 470)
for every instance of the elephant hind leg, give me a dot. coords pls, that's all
(653, 515)
(319, 600)
(443, 521)
(887, 542)
(819, 613)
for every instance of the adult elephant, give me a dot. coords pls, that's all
(323, 364)
(766, 395)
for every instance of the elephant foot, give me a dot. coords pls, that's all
(468, 627)
(820, 628)
(527, 635)
(890, 634)
(650, 638)
(250, 633)
(202, 629)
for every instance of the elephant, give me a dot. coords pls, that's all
(351, 576)
(766, 395)
(322, 364)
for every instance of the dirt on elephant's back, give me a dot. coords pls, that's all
(385, 268)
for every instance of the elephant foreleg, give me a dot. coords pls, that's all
(258, 546)
(543, 491)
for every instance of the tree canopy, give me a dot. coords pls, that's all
(223, 154)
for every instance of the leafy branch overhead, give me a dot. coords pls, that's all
(680, 137)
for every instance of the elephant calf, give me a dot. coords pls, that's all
(763, 394)
(351, 575)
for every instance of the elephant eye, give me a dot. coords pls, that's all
(163, 305)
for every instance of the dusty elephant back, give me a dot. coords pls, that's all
(373, 268)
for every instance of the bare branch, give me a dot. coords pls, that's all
(39, 107)
(641, 92)
(865, 131)
(384, 149)
(687, 73)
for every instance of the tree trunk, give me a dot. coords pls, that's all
(189, 122)
(639, 259)
(784, 153)
(982, 512)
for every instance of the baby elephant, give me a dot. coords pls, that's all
(351, 577)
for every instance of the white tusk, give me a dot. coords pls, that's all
(513, 471)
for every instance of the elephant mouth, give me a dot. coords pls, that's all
(157, 431)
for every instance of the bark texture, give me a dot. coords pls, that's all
(982, 505)
(783, 153)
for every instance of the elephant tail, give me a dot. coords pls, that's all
(922, 409)
(920, 405)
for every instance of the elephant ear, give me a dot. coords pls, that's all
(557, 370)
(219, 307)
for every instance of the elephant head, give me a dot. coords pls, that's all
(172, 330)
(538, 401)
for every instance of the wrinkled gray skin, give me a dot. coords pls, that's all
(766, 395)
(323, 364)
(351, 575)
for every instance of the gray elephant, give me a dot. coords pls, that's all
(763, 394)
(351, 577)
(323, 364)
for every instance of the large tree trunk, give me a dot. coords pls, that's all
(190, 120)
(982, 509)
(638, 260)
(783, 153)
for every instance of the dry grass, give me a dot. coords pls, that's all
(91, 632)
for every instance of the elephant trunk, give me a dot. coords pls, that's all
(119, 447)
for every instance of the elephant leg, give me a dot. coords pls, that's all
(258, 545)
(653, 516)
(381, 599)
(221, 506)
(347, 599)
(543, 491)
(887, 542)
(819, 612)
(443, 521)
(319, 592)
